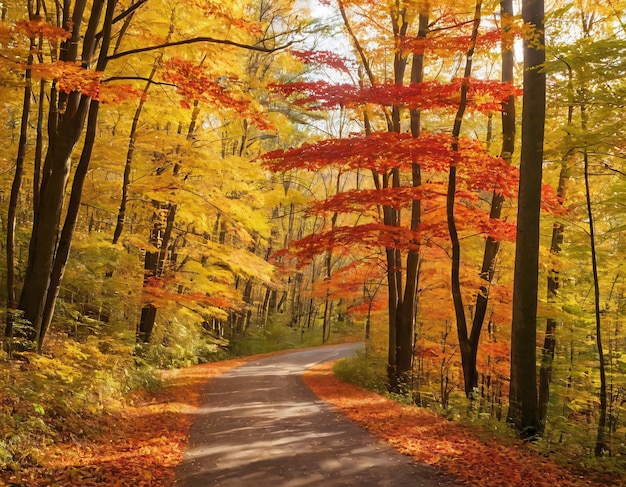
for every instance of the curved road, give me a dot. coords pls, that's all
(259, 426)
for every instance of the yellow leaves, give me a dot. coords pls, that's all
(53, 368)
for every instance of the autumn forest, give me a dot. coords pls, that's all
(187, 182)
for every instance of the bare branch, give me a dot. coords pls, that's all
(197, 40)
(137, 78)
(130, 10)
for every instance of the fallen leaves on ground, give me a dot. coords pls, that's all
(456, 449)
(140, 444)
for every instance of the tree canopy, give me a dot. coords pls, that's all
(443, 180)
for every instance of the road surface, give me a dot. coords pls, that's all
(259, 426)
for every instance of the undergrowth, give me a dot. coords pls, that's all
(66, 394)
(573, 446)
(278, 335)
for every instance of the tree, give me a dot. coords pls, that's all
(523, 389)
(488, 267)
(468, 347)
(76, 95)
(384, 152)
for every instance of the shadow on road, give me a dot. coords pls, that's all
(260, 426)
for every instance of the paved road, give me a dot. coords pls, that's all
(259, 426)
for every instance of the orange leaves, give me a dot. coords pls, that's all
(194, 83)
(33, 29)
(73, 77)
(445, 44)
(223, 12)
(456, 449)
(140, 444)
(162, 289)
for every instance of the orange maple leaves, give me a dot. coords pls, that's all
(194, 83)
(456, 449)
(36, 28)
(68, 76)
(71, 77)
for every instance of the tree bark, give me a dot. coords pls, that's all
(64, 132)
(492, 245)
(522, 412)
(600, 446)
(468, 351)
(13, 198)
(121, 214)
(405, 321)
(553, 283)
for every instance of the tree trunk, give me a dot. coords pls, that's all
(121, 214)
(154, 264)
(549, 342)
(405, 320)
(400, 319)
(600, 446)
(468, 351)
(12, 208)
(492, 245)
(523, 388)
(64, 128)
(47, 223)
(67, 233)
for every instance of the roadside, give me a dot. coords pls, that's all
(142, 443)
(139, 444)
(456, 449)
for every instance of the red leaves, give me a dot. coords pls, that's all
(342, 240)
(478, 172)
(324, 58)
(378, 152)
(483, 95)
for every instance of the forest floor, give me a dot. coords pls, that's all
(142, 443)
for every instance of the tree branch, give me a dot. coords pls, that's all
(138, 78)
(130, 10)
(197, 40)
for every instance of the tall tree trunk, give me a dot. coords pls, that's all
(468, 353)
(47, 225)
(12, 209)
(64, 132)
(405, 321)
(549, 341)
(121, 214)
(67, 233)
(400, 318)
(600, 446)
(523, 388)
(154, 265)
(492, 245)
